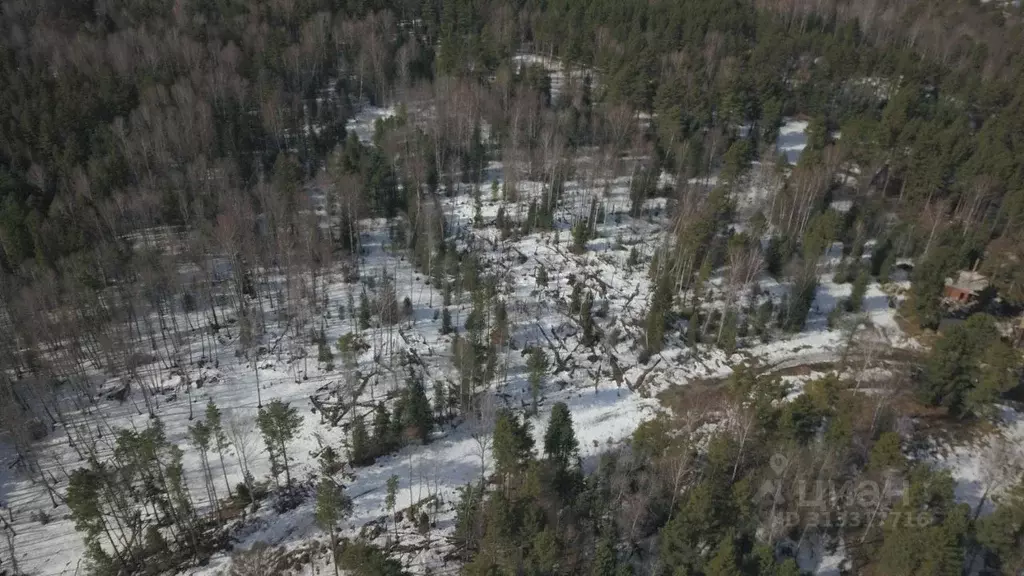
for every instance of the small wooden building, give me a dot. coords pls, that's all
(966, 288)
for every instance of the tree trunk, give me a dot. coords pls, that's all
(287, 471)
(223, 470)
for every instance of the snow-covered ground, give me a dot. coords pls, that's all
(985, 466)
(364, 123)
(608, 390)
(557, 71)
(605, 409)
(792, 139)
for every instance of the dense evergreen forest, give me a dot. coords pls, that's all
(194, 162)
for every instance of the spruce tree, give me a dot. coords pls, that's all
(364, 311)
(860, 287)
(389, 501)
(416, 412)
(440, 402)
(446, 322)
(329, 462)
(537, 364)
(542, 276)
(633, 259)
(383, 442)
(560, 445)
(580, 232)
(478, 218)
(387, 304)
(359, 443)
(576, 298)
(587, 320)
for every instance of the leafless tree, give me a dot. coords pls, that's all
(241, 433)
(7, 525)
(482, 426)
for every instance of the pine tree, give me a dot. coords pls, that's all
(512, 444)
(544, 552)
(727, 337)
(788, 568)
(332, 504)
(220, 439)
(178, 492)
(1001, 533)
(724, 562)
(886, 453)
(199, 435)
(605, 563)
(693, 527)
(85, 487)
(736, 159)
(467, 520)
(969, 367)
(927, 283)
(499, 324)
(530, 221)
(661, 301)
(278, 423)
(155, 549)
(801, 298)
(641, 187)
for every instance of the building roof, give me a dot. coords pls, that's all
(968, 281)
